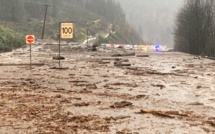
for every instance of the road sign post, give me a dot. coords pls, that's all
(59, 48)
(30, 57)
(65, 32)
(30, 39)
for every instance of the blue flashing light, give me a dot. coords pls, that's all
(157, 48)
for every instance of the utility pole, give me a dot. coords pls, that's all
(87, 32)
(87, 35)
(44, 22)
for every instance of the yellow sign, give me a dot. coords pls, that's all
(66, 30)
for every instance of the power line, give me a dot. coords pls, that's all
(34, 3)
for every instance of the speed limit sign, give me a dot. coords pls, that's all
(66, 30)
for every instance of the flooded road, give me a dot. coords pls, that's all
(164, 92)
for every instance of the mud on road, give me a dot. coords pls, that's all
(165, 92)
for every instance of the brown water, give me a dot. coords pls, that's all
(176, 90)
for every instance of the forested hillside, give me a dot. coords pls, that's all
(98, 16)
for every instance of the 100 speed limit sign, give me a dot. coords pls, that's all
(66, 30)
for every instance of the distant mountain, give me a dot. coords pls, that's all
(153, 19)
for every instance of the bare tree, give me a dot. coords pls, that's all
(195, 25)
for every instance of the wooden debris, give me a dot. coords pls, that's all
(58, 58)
(206, 129)
(83, 104)
(92, 86)
(122, 64)
(164, 114)
(123, 54)
(128, 54)
(85, 91)
(116, 55)
(211, 118)
(190, 65)
(137, 71)
(104, 62)
(109, 119)
(122, 104)
(58, 96)
(157, 113)
(111, 58)
(124, 84)
(212, 123)
(198, 87)
(159, 85)
(142, 55)
(124, 131)
(94, 60)
(196, 103)
(122, 60)
(141, 96)
(77, 81)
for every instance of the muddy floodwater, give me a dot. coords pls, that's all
(157, 93)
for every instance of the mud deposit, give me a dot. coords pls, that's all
(163, 93)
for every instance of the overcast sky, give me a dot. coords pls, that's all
(155, 17)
